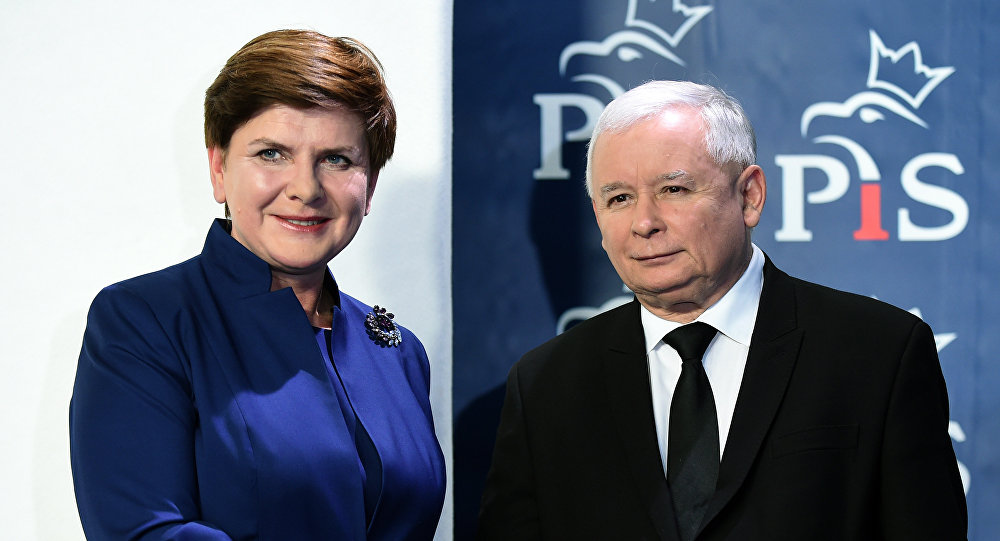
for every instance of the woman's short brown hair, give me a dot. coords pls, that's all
(302, 69)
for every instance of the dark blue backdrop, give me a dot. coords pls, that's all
(877, 129)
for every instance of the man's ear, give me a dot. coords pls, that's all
(753, 190)
(217, 169)
(597, 219)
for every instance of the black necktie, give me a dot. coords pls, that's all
(693, 444)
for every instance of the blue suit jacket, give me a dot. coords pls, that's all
(203, 409)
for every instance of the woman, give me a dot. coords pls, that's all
(241, 394)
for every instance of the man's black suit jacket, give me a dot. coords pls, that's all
(840, 432)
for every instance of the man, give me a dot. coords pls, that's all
(813, 413)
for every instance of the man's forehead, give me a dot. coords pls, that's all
(685, 122)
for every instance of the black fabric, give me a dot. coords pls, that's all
(830, 438)
(693, 445)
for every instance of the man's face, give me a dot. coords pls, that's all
(674, 223)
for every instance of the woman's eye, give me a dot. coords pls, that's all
(269, 154)
(337, 159)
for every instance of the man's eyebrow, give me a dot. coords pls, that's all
(673, 175)
(614, 186)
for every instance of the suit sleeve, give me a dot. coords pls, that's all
(922, 494)
(132, 429)
(509, 505)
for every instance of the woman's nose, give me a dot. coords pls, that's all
(304, 185)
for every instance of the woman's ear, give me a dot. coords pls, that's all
(217, 169)
(372, 180)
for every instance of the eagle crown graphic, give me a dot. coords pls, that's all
(887, 71)
(645, 29)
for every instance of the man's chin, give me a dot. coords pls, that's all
(672, 290)
(666, 292)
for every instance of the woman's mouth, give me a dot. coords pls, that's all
(304, 222)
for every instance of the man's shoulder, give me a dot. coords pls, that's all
(584, 340)
(827, 305)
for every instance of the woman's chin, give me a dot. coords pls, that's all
(300, 267)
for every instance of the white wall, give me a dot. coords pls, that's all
(104, 176)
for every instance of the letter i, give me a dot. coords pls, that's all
(871, 214)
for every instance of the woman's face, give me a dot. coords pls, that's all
(297, 182)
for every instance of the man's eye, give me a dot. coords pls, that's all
(673, 189)
(618, 199)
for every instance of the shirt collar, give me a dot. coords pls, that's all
(733, 315)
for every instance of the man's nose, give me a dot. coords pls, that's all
(647, 220)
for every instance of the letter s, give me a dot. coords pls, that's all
(934, 196)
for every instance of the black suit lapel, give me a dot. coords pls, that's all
(626, 378)
(773, 351)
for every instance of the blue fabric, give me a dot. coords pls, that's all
(368, 459)
(203, 410)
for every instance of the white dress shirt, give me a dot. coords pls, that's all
(726, 357)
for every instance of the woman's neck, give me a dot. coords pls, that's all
(316, 301)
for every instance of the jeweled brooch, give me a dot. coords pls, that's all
(381, 329)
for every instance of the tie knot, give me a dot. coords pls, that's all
(691, 340)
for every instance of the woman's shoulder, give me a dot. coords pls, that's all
(355, 307)
(159, 289)
(376, 317)
(133, 325)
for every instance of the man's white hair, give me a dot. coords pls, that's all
(729, 137)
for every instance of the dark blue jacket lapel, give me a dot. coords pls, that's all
(259, 323)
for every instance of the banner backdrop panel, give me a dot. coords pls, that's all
(877, 127)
